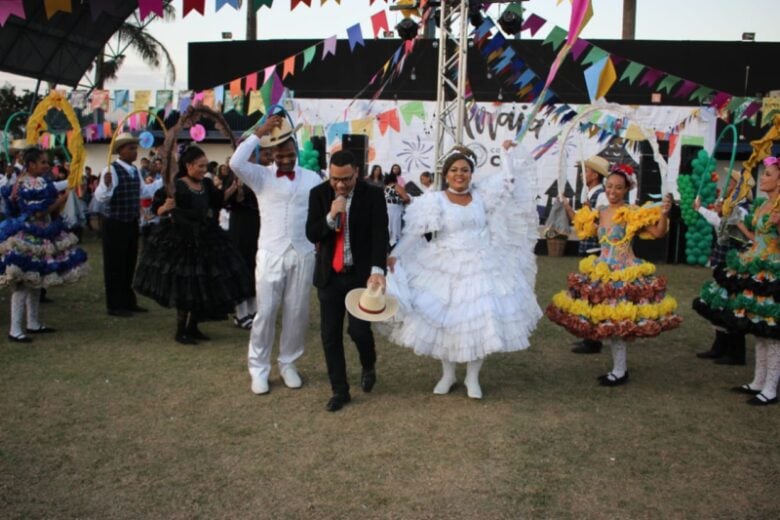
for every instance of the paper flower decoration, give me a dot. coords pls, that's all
(198, 133)
(146, 140)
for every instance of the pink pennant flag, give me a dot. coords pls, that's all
(143, 118)
(268, 72)
(11, 7)
(379, 22)
(147, 7)
(251, 82)
(329, 47)
(685, 89)
(533, 23)
(651, 77)
(720, 100)
(197, 100)
(578, 48)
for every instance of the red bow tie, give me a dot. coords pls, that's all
(289, 175)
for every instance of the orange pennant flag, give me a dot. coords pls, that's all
(289, 67)
(235, 87)
(389, 119)
(251, 82)
(53, 6)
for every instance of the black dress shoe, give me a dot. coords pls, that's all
(138, 308)
(43, 329)
(19, 339)
(606, 380)
(121, 313)
(745, 389)
(198, 335)
(337, 402)
(185, 339)
(760, 400)
(368, 380)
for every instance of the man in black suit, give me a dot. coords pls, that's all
(347, 221)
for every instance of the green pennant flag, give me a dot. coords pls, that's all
(632, 72)
(735, 103)
(411, 110)
(308, 55)
(667, 84)
(594, 118)
(257, 4)
(594, 55)
(555, 38)
(700, 93)
(266, 90)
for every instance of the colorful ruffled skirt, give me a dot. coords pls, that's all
(604, 301)
(743, 297)
(39, 254)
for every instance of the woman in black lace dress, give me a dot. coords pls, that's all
(190, 263)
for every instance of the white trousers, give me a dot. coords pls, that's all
(284, 281)
(24, 301)
(395, 213)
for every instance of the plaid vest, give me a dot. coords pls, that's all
(590, 243)
(125, 201)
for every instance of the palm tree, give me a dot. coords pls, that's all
(133, 35)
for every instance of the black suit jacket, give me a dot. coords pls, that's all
(368, 234)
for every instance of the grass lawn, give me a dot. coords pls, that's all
(110, 418)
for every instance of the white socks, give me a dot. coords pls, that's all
(33, 305)
(772, 370)
(618, 348)
(759, 375)
(447, 379)
(472, 379)
(18, 300)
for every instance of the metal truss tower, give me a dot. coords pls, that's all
(451, 78)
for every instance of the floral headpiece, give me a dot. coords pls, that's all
(627, 171)
(465, 152)
(771, 161)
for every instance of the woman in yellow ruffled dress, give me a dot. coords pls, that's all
(616, 297)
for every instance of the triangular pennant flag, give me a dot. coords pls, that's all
(191, 5)
(289, 67)
(147, 7)
(735, 103)
(336, 130)
(259, 3)
(751, 109)
(329, 47)
(595, 54)
(632, 71)
(255, 102)
(700, 93)
(231, 3)
(555, 38)
(185, 100)
(122, 100)
(11, 7)
(720, 100)
(685, 89)
(250, 83)
(219, 97)
(107, 128)
(667, 84)
(54, 6)
(389, 119)
(650, 78)
(277, 90)
(411, 110)
(483, 29)
(534, 23)
(268, 72)
(143, 99)
(578, 48)
(308, 55)
(235, 87)
(363, 126)
(210, 99)
(295, 3)
(592, 76)
(379, 22)
(265, 93)
(355, 36)
(607, 78)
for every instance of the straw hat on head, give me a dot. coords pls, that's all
(371, 304)
(17, 145)
(123, 139)
(279, 134)
(598, 164)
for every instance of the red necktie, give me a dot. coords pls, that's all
(289, 175)
(338, 253)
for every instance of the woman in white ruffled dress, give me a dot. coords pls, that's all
(464, 269)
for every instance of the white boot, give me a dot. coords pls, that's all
(447, 378)
(33, 305)
(769, 391)
(18, 301)
(759, 374)
(472, 379)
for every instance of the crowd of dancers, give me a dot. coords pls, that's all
(455, 282)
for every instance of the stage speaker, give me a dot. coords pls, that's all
(320, 144)
(358, 145)
(688, 153)
(649, 183)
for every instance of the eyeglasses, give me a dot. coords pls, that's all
(771, 161)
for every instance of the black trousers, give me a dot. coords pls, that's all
(332, 312)
(120, 253)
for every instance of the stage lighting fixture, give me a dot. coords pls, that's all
(510, 22)
(407, 29)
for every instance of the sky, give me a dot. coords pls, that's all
(656, 20)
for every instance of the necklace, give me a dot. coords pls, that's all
(460, 193)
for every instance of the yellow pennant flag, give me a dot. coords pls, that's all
(142, 99)
(607, 79)
(364, 126)
(53, 6)
(256, 102)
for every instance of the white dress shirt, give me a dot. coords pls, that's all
(283, 203)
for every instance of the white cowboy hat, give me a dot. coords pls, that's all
(279, 134)
(17, 145)
(371, 304)
(123, 139)
(598, 165)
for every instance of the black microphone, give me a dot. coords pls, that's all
(339, 217)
